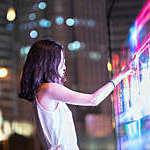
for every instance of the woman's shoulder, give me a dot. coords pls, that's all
(48, 85)
(44, 97)
(50, 90)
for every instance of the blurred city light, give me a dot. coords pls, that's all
(24, 50)
(115, 61)
(70, 22)
(91, 23)
(32, 16)
(84, 22)
(2, 136)
(45, 23)
(94, 55)
(33, 34)
(76, 21)
(109, 66)
(42, 5)
(22, 128)
(3, 72)
(59, 20)
(11, 14)
(133, 35)
(94, 123)
(7, 127)
(74, 45)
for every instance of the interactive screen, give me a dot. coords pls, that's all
(132, 96)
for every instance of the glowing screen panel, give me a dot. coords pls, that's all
(132, 95)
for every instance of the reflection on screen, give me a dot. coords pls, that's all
(136, 90)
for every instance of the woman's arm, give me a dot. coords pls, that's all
(61, 93)
(103, 92)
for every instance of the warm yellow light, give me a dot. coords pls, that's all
(7, 127)
(113, 124)
(23, 128)
(3, 72)
(2, 136)
(11, 14)
(109, 66)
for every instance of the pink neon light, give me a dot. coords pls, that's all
(142, 19)
(143, 16)
(139, 51)
(144, 45)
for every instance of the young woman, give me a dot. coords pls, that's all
(42, 83)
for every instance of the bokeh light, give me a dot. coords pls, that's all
(59, 20)
(109, 66)
(22, 128)
(42, 5)
(7, 127)
(74, 45)
(91, 23)
(11, 14)
(93, 55)
(33, 34)
(24, 50)
(70, 22)
(32, 16)
(3, 72)
(45, 23)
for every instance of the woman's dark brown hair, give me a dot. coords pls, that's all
(41, 66)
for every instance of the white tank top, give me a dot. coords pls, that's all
(56, 128)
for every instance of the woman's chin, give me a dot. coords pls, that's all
(62, 75)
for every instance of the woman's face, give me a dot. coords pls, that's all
(62, 66)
